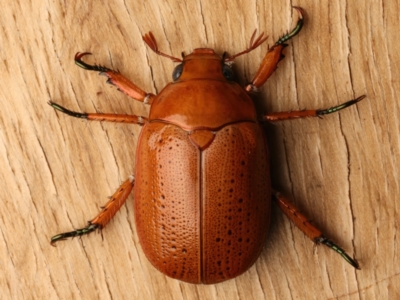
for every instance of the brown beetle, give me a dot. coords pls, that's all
(202, 184)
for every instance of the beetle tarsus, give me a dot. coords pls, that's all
(336, 248)
(71, 234)
(333, 109)
(67, 111)
(296, 30)
(80, 63)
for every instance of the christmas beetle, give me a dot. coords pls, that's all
(202, 185)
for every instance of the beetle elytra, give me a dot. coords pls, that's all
(202, 185)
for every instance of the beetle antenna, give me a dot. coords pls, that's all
(150, 40)
(253, 45)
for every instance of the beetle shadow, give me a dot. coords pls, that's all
(278, 173)
(278, 166)
(276, 148)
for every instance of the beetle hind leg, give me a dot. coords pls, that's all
(116, 78)
(308, 228)
(106, 214)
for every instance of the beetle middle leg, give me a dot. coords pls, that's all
(117, 118)
(296, 114)
(107, 213)
(308, 228)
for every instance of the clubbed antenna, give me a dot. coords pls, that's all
(149, 39)
(253, 45)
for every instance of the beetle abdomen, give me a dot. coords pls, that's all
(202, 216)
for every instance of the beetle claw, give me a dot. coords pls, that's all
(333, 109)
(86, 66)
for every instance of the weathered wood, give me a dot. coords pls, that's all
(56, 171)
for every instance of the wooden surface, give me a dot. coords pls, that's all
(56, 171)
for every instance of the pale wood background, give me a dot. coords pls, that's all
(56, 171)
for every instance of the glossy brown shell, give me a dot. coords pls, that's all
(202, 186)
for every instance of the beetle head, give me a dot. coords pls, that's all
(202, 63)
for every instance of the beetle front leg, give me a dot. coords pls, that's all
(308, 228)
(106, 214)
(117, 118)
(274, 55)
(287, 115)
(115, 78)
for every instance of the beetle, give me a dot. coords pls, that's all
(202, 184)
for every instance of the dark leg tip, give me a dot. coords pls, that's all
(333, 109)
(296, 30)
(300, 11)
(336, 248)
(67, 111)
(79, 232)
(80, 63)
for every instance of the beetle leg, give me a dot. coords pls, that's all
(274, 55)
(116, 78)
(286, 115)
(106, 214)
(308, 228)
(117, 118)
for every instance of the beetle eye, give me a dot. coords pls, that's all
(177, 72)
(227, 72)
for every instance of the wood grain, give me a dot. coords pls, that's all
(56, 171)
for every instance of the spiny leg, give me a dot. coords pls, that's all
(115, 78)
(274, 55)
(286, 115)
(308, 228)
(117, 118)
(106, 214)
